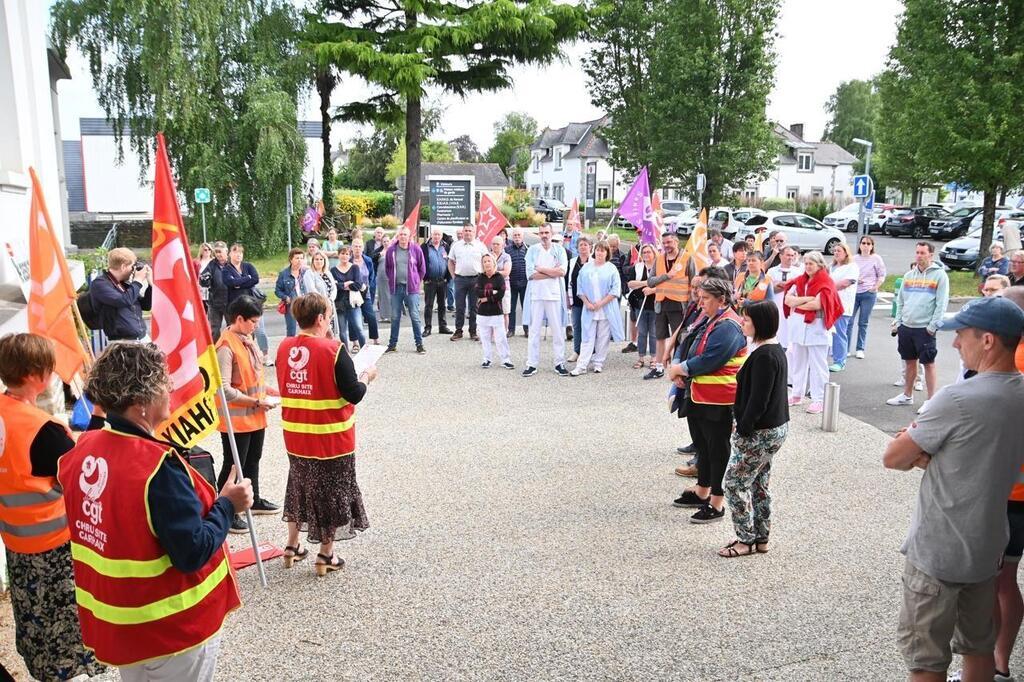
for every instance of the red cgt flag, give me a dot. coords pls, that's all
(52, 293)
(412, 221)
(572, 223)
(180, 328)
(489, 220)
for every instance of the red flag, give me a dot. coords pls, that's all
(52, 294)
(412, 221)
(489, 221)
(572, 223)
(180, 327)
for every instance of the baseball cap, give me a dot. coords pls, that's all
(995, 315)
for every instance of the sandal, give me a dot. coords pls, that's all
(639, 364)
(297, 554)
(730, 551)
(329, 564)
(761, 544)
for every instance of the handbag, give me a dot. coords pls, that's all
(355, 299)
(258, 294)
(282, 308)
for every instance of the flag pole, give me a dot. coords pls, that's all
(238, 477)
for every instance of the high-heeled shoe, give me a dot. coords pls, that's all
(297, 554)
(328, 565)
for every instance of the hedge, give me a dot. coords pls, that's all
(374, 204)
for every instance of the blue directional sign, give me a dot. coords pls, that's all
(202, 195)
(870, 203)
(861, 186)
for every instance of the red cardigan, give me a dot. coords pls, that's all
(822, 286)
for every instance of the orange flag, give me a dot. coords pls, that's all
(180, 328)
(489, 221)
(52, 294)
(572, 222)
(412, 221)
(696, 250)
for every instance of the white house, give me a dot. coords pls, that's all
(558, 163)
(97, 183)
(814, 170)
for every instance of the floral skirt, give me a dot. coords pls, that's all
(46, 629)
(323, 497)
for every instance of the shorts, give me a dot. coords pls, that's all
(936, 614)
(915, 343)
(666, 322)
(1015, 547)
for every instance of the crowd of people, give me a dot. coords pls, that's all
(742, 341)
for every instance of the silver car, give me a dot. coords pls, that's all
(802, 231)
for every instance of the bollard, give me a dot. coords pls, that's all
(830, 415)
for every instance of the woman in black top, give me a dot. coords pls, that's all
(762, 422)
(490, 318)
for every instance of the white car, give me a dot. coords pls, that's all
(802, 231)
(729, 220)
(846, 218)
(681, 223)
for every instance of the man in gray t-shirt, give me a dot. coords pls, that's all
(969, 443)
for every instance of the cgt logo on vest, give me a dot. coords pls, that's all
(298, 358)
(92, 481)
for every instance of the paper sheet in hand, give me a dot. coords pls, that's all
(367, 357)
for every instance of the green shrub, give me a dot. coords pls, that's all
(606, 203)
(774, 204)
(518, 199)
(351, 204)
(389, 222)
(509, 212)
(817, 209)
(425, 212)
(378, 204)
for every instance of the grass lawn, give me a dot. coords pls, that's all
(961, 283)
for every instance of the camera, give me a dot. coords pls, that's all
(138, 266)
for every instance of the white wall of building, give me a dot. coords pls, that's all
(112, 186)
(832, 183)
(27, 128)
(542, 181)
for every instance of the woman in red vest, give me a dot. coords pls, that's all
(319, 390)
(32, 521)
(153, 577)
(713, 357)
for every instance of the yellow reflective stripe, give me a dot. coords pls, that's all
(304, 404)
(119, 568)
(736, 361)
(168, 606)
(715, 379)
(319, 429)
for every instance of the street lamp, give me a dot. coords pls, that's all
(862, 226)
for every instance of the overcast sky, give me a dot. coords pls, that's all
(822, 43)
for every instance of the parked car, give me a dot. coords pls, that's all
(962, 253)
(682, 223)
(879, 217)
(976, 217)
(673, 208)
(802, 231)
(913, 221)
(729, 220)
(956, 224)
(553, 209)
(846, 218)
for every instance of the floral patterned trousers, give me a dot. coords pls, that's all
(746, 482)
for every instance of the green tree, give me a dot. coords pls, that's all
(368, 160)
(221, 79)
(853, 112)
(466, 149)
(513, 136)
(402, 47)
(958, 66)
(432, 151)
(325, 80)
(686, 83)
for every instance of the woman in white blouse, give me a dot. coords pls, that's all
(844, 272)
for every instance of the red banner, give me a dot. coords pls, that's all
(489, 221)
(180, 327)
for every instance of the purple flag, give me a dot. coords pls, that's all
(310, 220)
(649, 232)
(632, 208)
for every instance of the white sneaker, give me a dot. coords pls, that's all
(918, 385)
(859, 355)
(572, 358)
(898, 382)
(577, 371)
(900, 400)
(921, 409)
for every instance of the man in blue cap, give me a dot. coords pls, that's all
(969, 443)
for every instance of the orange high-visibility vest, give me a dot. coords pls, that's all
(32, 517)
(133, 604)
(718, 387)
(677, 287)
(1017, 494)
(244, 418)
(758, 293)
(317, 422)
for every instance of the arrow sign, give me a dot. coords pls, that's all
(870, 203)
(861, 186)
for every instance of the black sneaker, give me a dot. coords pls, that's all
(262, 506)
(510, 334)
(238, 526)
(708, 514)
(426, 332)
(421, 350)
(485, 364)
(655, 373)
(630, 348)
(508, 365)
(690, 499)
(690, 449)
(529, 371)
(444, 330)
(391, 349)
(561, 371)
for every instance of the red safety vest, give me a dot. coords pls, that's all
(32, 517)
(133, 605)
(244, 418)
(317, 422)
(718, 387)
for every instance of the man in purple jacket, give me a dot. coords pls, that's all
(405, 268)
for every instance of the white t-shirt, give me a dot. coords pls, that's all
(467, 257)
(546, 289)
(776, 275)
(848, 295)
